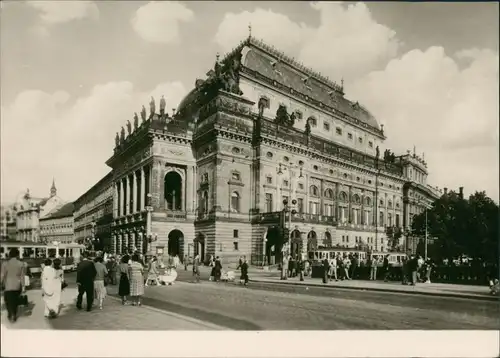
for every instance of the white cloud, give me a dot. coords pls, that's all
(51, 135)
(348, 42)
(266, 24)
(446, 106)
(426, 99)
(159, 21)
(58, 12)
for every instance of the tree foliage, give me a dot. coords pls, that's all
(461, 226)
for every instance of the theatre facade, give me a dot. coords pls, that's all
(210, 176)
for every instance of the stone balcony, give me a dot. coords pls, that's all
(274, 218)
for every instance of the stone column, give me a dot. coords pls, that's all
(121, 200)
(127, 195)
(143, 189)
(135, 198)
(189, 194)
(115, 200)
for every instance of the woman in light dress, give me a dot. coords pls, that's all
(136, 274)
(99, 287)
(153, 272)
(52, 279)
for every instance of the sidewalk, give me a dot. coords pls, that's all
(432, 289)
(114, 316)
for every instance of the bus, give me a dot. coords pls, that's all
(35, 253)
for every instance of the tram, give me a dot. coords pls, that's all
(35, 253)
(331, 253)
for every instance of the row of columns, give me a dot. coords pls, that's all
(124, 242)
(130, 192)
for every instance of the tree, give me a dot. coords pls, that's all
(461, 226)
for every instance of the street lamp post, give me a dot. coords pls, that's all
(288, 209)
(149, 238)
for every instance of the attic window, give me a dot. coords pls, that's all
(370, 144)
(360, 140)
(326, 126)
(265, 101)
(312, 121)
(338, 130)
(298, 115)
(349, 136)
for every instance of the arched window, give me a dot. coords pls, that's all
(327, 240)
(389, 204)
(173, 191)
(368, 201)
(235, 202)
(356, 199)
(329, 193)
(343, 196)
(313, 190)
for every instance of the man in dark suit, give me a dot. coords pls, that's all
(85, 274)
(13, 272)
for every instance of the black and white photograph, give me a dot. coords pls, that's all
(249, 178)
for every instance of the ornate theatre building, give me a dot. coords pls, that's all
(211, 176)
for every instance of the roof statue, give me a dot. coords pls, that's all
(231, 76)
(136, 121)
(129, 127)
(152, 107)
(122, 135)
(163, 104)
(143, 114)
(117, 139)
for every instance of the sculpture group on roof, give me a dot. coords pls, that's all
(132, 127)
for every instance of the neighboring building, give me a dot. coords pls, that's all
(93, 214)
(30, 209)
(261, 128)
(7, 222)
(58, 226)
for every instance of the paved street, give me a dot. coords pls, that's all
(271, 306)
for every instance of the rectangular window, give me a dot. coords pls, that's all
(370, 144)
(235, 234)
(285, 183)
(381, 219)
(397, 220)
(347, 238)
(338, 130)
(326, 126)
(313, 208)
(269, 180)
(343, 238)
(236, 176)
(301, 186)
(300, 205)
(360, 140)
(269, 202)
(265, 101)
(235, 246)
(349, 136)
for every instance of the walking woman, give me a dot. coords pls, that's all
(136, 274)
(99, 287)
(218, 269)
(124, 283)
(52, 279)
(244, 272)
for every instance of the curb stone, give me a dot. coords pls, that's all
(388, 290)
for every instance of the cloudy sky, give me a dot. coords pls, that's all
(72, 73)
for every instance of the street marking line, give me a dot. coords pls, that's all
(181, 317)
